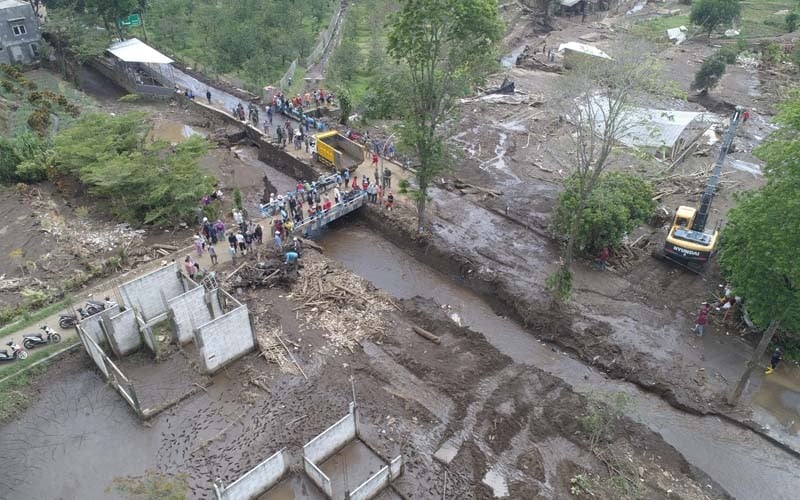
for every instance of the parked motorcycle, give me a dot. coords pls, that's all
(69, 320)
(37, 339)
(16, 352)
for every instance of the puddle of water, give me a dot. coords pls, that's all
(510, 60)
(779, 395)
(743, 463)
(173, 132)
(495, 480)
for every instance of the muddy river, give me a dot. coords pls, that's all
(742, 462)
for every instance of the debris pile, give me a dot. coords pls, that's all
(335, 300)
(269, 274)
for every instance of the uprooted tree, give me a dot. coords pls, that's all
(447, 45)
(597, 104)
(759, 244)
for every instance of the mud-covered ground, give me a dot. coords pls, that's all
(635, 319)
(413, 396)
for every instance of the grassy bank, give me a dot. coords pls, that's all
(759, 19)
(28, 317)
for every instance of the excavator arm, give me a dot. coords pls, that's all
(701, 218)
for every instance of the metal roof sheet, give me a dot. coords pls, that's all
(134, 50)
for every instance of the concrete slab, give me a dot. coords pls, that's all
(447, 452)
(351, 466)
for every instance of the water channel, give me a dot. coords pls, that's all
(746, 465)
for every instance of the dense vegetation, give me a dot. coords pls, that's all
(255, 40)
(252, 40)
(141, 181)
(618, 204)
(360, 65)
(760, 241)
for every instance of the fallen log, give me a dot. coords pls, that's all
(426, 334)
(166, 247)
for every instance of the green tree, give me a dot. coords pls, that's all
(143, 182)
(759, 244)
(74, 34)
(711, 14)
(618, 204)
(345, 104)
(597, 96)
(709, 74)
(111, 11)
(447, 45)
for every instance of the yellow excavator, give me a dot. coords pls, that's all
(688, 243)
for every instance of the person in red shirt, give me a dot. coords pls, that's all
(701, 320)
(602, 259)
(355, 183)
(326, 205)
(375, 159)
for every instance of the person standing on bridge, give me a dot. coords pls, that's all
(208, 95)
(337, 195)
(346, 176)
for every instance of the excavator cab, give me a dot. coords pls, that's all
(685, 245)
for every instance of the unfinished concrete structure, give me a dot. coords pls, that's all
(213, 320)
(337, 461)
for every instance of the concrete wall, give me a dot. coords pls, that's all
(319, 478)
(216, 305)
(332, 439)
(145, 293)
(17, 48)
(224, 339)
(275, 157)
(189, 310)
(93, 325)
(372, 486)
(380, 480)
(123, 333)
(255, 481)
(93, 350)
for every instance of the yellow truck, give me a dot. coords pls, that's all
(336, 151)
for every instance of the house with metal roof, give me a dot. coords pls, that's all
(19, 33)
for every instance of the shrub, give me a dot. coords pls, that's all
(709, 74)
(710, 14)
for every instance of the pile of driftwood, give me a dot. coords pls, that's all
(275, 349)
(338, 302)
(269, 274)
